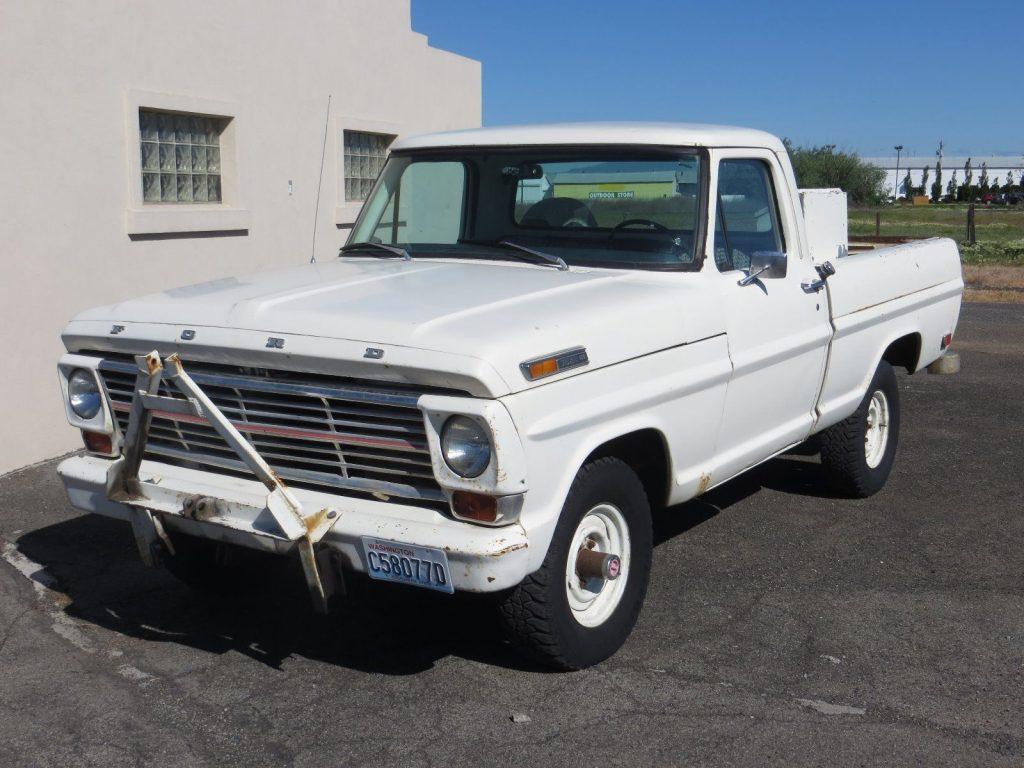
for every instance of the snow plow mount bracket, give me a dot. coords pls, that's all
(124, 486)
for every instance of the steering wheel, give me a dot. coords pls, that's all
(631, 222)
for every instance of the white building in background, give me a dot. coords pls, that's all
(152, 145)
(998, 166)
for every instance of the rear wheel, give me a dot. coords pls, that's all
(858, 453)
(580, 607)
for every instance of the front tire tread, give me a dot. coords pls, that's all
(529, 613)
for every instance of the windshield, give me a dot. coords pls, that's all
(600, 207)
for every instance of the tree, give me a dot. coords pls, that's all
(825, 166)
(951, 187)
(908, 186)
(937, 185)
(1008, 186)
(983, 183)
(924, 180)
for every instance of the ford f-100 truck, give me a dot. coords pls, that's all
(533, 338)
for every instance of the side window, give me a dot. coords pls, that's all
(747, 218)
(427, 205)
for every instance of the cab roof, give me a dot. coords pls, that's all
(654, 134)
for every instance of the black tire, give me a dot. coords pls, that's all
(847, 471)
(536, 615)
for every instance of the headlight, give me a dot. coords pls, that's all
(84, 394)
(465, 446)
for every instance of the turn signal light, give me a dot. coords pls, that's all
(543, 368)
(474, 506)
(97, 442)
(549, 365)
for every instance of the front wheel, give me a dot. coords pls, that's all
(580, 607)
(858, 452)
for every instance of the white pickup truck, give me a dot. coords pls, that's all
(534, 337)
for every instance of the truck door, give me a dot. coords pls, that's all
(778, 332)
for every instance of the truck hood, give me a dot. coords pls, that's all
(497, 313)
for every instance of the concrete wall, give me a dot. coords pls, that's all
(73, 230)
(998, 167)
(995, 175)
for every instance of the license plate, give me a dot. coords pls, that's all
(406, 564)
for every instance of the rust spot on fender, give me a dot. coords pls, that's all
(705, 481)
(506, 550)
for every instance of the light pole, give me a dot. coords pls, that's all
(896, 186)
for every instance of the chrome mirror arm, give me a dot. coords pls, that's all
(752, 276)
(771, 264)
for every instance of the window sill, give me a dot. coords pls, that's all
(177, 218)
(345, 213)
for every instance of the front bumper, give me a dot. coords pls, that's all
(481, 559)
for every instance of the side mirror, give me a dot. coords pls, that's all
(765, 264)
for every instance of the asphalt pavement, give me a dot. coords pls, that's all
(782, 628)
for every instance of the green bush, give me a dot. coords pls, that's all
(817, 167)
(993, 253)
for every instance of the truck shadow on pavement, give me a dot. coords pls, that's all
(380, 628)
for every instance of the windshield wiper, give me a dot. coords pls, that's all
(394, 250)
(546, 258)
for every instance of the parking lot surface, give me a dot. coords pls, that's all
(782, 627)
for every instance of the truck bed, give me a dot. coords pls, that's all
(878, 297)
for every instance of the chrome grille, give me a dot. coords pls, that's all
(351, 439)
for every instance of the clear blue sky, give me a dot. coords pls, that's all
(861, 74)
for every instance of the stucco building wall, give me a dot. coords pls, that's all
(74, 231)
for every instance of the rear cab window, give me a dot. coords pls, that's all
(426, 204)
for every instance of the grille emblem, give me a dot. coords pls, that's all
(373, 353)
(275, 343)
(116, 329)
(188, 335)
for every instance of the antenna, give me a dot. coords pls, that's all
(320, 181)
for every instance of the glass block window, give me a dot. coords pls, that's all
(180, 157)
(364, 157)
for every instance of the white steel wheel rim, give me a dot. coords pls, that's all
(876, 435)
(593, 601)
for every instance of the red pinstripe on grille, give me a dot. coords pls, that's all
(397, 444)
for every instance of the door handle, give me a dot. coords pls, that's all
(825, 271)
